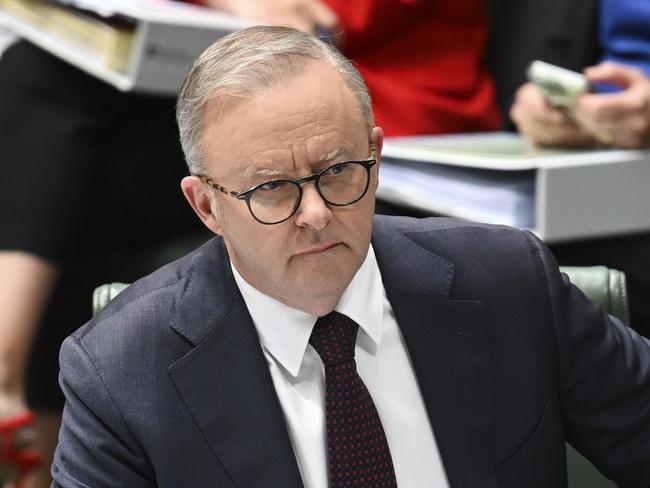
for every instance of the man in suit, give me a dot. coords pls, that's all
(471, 359)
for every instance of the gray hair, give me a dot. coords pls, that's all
(245, 61)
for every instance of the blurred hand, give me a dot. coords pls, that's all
(620, 118)
(544, 124)
(304, 15)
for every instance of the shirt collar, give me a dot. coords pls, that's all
(284, 331)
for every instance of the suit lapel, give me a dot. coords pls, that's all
(225, 382)
(448, 341)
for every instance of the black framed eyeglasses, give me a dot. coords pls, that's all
(276, 201)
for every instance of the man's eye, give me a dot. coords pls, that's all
(336, 170)
(270, 186)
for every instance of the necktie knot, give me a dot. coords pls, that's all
(334, 337)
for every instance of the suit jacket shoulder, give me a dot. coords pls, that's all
(560, 368)
(168, 387)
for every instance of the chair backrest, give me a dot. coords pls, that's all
(105, 293)
(146, 260)
(605, 286)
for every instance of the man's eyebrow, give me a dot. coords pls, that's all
(328, 156)
(345, 149)
(252, 175)
(266, 172)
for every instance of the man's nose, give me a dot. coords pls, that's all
(313, 211)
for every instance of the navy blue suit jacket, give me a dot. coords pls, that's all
(168, 386)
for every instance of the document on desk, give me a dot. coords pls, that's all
(475, 194)
(504, 151)
(485, 177)
(495, 177)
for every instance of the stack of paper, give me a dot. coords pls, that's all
(498, 177)
(474, 194)
(139, 45)
(483, 177)
(109, 39)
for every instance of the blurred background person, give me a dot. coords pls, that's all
(89, 176)
(610, 41)
(423, 60)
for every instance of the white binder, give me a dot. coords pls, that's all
(168, 36)
(561, 195)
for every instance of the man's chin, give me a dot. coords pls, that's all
(324, 284)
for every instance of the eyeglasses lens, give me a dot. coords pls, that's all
(340, 184)
(274, 202)
(343, 183)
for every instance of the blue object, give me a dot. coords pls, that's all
(625, 32)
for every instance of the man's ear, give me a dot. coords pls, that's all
(377, 137)
(198, 196)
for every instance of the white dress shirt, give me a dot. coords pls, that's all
(382, 362)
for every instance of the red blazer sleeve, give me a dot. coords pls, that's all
(375, 21)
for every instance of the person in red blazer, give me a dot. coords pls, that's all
(422, 59)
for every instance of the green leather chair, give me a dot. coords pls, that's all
(606, 287)
(602, 285)
(105, 293)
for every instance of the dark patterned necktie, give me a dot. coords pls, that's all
(356, 443)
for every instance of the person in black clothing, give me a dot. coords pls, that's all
(89, 176)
